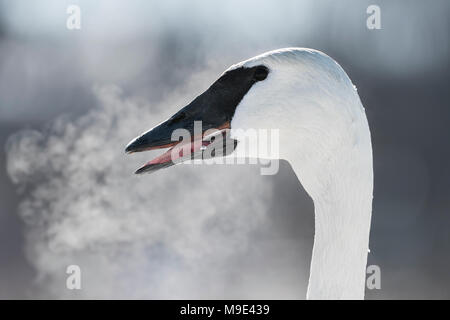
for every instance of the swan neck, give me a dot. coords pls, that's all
(339, 258)
(342, 225)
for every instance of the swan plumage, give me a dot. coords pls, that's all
(324, 135)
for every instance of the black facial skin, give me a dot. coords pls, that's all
(215, 108)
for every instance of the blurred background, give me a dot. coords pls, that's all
(70, 100)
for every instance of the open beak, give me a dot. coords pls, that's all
(215, 109)
(196, 147)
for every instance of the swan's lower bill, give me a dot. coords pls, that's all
(179, 151)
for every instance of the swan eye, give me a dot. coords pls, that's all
(260, 73)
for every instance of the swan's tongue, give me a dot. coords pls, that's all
(176, 154)
(217, 144)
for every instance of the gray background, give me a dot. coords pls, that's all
(71, 100)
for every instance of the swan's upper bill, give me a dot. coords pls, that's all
(323, 133)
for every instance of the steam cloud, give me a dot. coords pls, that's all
(172, 234)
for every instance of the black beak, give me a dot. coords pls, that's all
(214, 109)
(161, 135)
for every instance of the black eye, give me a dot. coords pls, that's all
(260, 73)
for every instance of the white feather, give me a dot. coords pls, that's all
(325, 136)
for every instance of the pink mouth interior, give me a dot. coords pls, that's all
(179, 151)
(185, 150)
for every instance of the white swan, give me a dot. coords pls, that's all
(325, 136)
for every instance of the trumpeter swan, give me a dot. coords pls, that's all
(323, 133)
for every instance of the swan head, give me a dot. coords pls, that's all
(302, 93)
